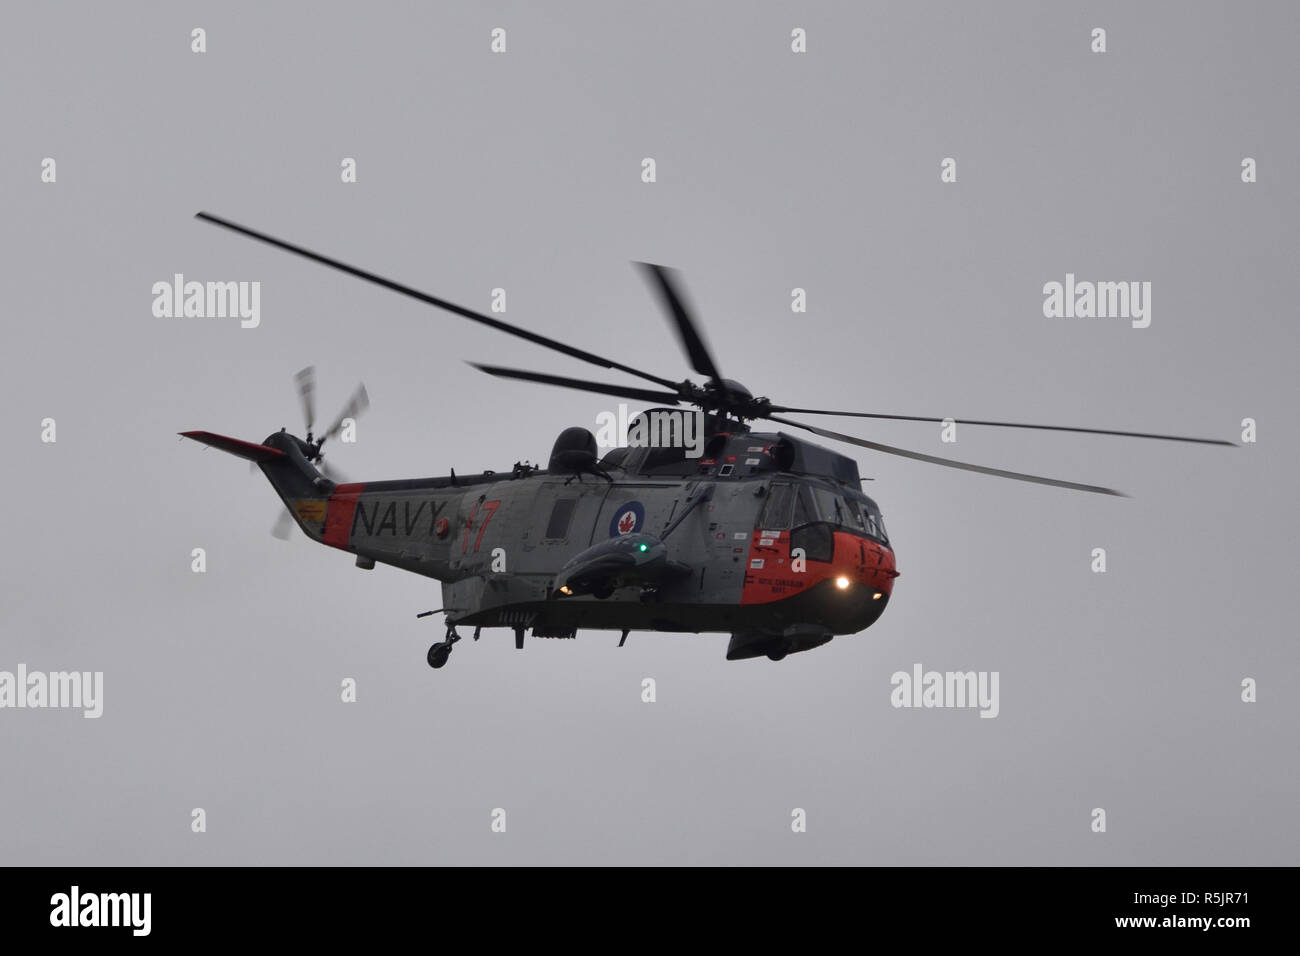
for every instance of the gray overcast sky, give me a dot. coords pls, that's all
(775, 170)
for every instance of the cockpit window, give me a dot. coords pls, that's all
(780, 506)
(830, 506)
(797, 505)
(847, 511)
(868, 519)
(803, 508)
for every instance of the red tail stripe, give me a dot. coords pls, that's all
(338, 517)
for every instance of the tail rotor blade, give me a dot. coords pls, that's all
(306, 382)
(330, 472)
(283, 525)
(357, 404)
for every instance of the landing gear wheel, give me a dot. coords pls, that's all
(438, 653)
(602, 592)
(776, 655)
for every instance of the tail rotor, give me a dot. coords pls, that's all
(305, 382)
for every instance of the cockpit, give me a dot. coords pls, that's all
(795, 504)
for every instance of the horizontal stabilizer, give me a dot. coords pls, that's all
(244, 449)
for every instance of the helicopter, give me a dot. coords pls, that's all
(762, 535)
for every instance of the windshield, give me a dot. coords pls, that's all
(791, 505)
(869, 520)
(857, 514)
(788, 506)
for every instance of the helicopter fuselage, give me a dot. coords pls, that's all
(767, 537)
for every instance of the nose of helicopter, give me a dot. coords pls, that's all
(872, 569)
(861, 582)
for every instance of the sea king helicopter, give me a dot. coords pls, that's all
(765, 536)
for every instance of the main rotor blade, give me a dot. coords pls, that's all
(619, 391)
(687, 330)
(971, 421)
(463, 312)
(357, 404)
(306, 382)
(948, 462)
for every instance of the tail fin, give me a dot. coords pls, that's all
(303, 489)
(244, 449)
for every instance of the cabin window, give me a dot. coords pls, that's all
(561, 515)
